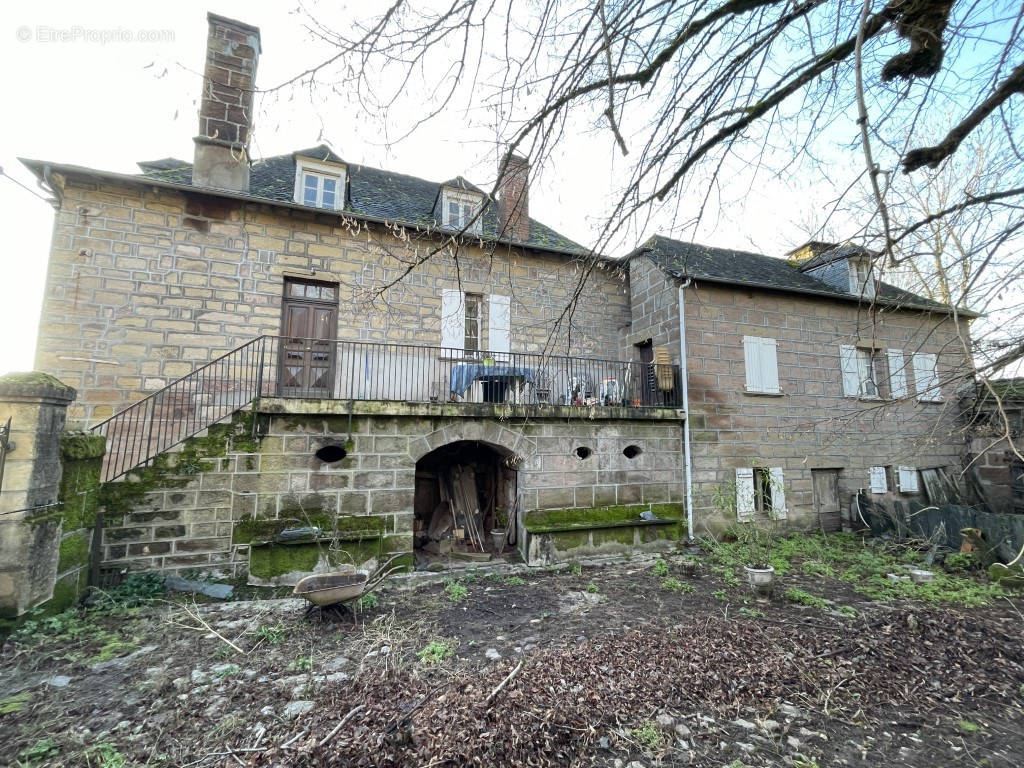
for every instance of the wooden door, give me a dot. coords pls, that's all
(826, 499)
(309, 325)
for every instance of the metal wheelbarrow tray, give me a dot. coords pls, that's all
(330, 588)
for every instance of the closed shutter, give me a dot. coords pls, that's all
(453, 322)
(879, 483)
(744, 493)
(897, 374)
(926, 379)
(762, 367)
(499, 324)
(778, 493)
(908, 479)
(848, 366)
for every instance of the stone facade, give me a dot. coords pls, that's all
(811, 424)
(144, 285)
(191, 520)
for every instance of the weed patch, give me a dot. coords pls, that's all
(456, 592)
(435, 652)
(660, 568)
(672, 584)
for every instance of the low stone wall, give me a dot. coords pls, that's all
(239, 491)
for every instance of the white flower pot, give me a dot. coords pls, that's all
(761, 580)
(498, 537)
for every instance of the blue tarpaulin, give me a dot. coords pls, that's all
(464, 375)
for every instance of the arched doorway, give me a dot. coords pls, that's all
(464, 490)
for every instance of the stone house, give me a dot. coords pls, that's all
(300, 345)
(808, 380)
(994, 418)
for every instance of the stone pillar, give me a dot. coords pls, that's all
(30, 520)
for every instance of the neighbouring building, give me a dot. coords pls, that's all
(994, 415)
(354, 362)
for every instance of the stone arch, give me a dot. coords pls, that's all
(509, 442)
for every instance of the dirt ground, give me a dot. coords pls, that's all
(627, 664)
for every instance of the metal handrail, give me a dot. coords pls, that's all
(295, 367)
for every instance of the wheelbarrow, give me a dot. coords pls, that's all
(338, 592)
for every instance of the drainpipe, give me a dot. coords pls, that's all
(686, 408)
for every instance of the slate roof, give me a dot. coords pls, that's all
(376, 194)
(721, 265)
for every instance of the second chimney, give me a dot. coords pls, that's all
(514, 199)
(225, 110)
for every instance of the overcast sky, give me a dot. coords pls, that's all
(80, 86)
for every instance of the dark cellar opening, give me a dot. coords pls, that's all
(463, 490)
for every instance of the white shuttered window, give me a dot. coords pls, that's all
(858, 369)
(907, 479)
(762, 367)
(499, 324)
(879, 482)
(926, 377)
(744, 493)
(453, 321)
(897, 374)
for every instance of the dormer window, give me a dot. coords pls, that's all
(862, 282)
(459, 210)
(319, 184)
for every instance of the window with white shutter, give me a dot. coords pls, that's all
(499, 325)
(926, 377)
(778, 494)
(897, 374)
(858, 369)
(744, 493)
(879, 481)
(453, 322)
(907, 479)
(762, 367)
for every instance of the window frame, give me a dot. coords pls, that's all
(761, 358)
(861, 284)
(477, 300)
(931, 391)
(469, 205)
(865, 364)
(320, 170)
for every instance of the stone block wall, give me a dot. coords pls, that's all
(207, 520)
(144, 285)
(811, 424)
(30, 514)
(654, 308)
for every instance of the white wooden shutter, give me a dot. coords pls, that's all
(769, 365)
(751, 359)
(778, 493)
(499, 324)
(848, 366)
(897, 374)
(453, 321)
(744, 493)
(908, 479)
(879, 483)
(761, 361)
(926, 379)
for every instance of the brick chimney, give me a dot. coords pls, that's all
(225, 110)
(514, 199)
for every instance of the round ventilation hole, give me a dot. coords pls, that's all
(632, 451)
(583, 452)
(331, 453)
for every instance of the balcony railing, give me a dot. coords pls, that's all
(346, 370)
(274, 366)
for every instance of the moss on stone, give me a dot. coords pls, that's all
(268, 562)
(548, 520)
(614, 536)
(33, 379)
(172, 470)
(75, 446)
(65, 594)
(74, 551)
(564, 540)
(272, 560)
(343, 527)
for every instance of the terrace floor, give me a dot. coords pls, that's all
(630, 663)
